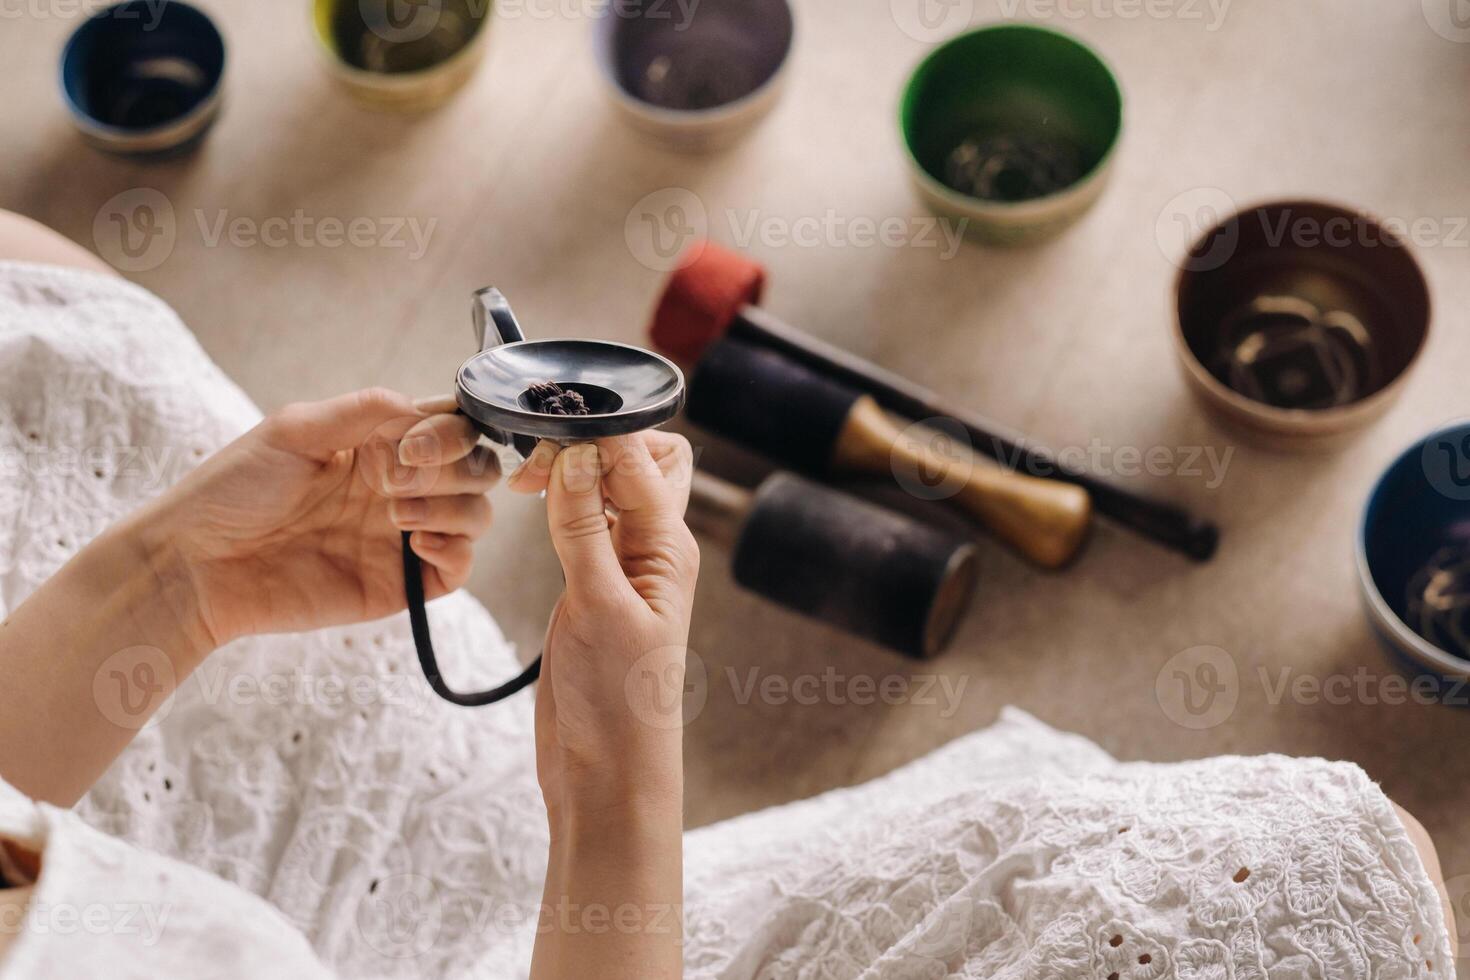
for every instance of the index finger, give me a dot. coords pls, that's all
(638, 484)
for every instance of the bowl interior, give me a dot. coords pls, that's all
(696, 57)
(1302, 306)
(1011, 113)
(1416, 539)
(141, 65)
(393, 37)
(626, 388)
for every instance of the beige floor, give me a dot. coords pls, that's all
(531, 181)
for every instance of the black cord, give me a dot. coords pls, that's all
(413, 588)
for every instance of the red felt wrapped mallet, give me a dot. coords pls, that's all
(714, 293)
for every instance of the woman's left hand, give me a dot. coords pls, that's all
(296, 525)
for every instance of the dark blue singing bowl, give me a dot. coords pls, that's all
(1414, 555)
(143, 77)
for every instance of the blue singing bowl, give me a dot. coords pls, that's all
(1414, 555)
(143, 77)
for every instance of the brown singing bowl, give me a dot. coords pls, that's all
(1299, 321)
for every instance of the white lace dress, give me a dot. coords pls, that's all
(305, 807)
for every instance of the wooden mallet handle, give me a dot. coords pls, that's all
(1045, 520)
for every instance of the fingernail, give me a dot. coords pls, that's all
(429, 540)
(429, 402)
(409, 511)
(579, 468)
(416, 449)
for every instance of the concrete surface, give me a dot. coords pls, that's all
(531, 183)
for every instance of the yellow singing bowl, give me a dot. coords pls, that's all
(404, 55)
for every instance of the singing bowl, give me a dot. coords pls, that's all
(143, 79)
(1018, 83)
(628, 389)
(1415, 530)
(1298, 322)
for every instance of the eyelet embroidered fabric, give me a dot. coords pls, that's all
(305, 807)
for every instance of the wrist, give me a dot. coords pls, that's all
(610, 800)
(158, 550)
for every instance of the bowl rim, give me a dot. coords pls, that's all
(1019, 209)
(520, 421)
(184, 123)
(688, 117)
(1380, 614)
(399, 79)
(1300, 419)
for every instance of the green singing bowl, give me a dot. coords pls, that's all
(1012, 129)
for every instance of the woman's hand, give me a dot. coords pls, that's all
(608, 757)
(295, 525)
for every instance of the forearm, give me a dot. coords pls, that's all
(91, 655)
(613, 902)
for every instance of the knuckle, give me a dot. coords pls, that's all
(370, 399)
(584, 525)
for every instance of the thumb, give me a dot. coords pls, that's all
(579, 529)
(320, 429)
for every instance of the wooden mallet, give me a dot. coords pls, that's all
(834, 557)
(805, 420)
(714, 293)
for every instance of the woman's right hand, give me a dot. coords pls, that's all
(618, 635)
(609, 759)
